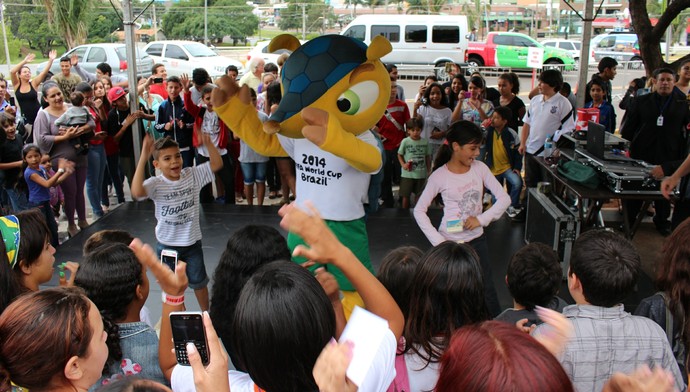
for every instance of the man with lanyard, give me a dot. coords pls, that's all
(656, 128)
(391, 127)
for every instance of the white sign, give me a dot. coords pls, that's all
(535, 57)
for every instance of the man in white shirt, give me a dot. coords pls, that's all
(549, 113)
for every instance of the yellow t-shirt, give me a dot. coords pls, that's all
(500, 158)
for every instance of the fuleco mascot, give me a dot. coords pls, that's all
(335, 89)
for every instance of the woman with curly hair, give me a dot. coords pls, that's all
(114, 280)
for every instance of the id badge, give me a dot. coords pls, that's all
(660, 121)
(455, 226)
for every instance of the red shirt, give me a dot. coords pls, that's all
(392, 133)
(160, 89)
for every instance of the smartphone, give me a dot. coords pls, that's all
(188, 327)
(169, 258)
(468, 94)
(12, 102)
(157, 80)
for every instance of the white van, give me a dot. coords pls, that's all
(416, 39)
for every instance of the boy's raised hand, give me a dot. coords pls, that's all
(147, 145)
(184, 80)
(323, 245)
(172, 283)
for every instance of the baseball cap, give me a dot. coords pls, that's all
(116, 93)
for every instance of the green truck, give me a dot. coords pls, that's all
(509, 50)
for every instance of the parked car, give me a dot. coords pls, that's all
(181, 57)
(115, 54)
(622, 47)
(510, 50)
(572, 46)
(261, 50)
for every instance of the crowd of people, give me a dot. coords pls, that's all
(277, 322)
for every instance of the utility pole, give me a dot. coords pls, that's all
(155, 23)
(130, 45)
(584, 54)
(4, 37)
(304, 22)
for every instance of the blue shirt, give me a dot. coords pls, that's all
(37, 193)
(607, 116)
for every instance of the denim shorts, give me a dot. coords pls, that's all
(253, 172)
(193, 255)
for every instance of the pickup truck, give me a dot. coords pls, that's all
(509, 50)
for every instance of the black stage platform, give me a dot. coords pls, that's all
(388, 229)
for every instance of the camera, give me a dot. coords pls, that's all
(425, 101)
(157, 80)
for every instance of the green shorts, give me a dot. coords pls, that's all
(352, 234)
(409, 186)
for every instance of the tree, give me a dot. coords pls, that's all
(36, 32)
(101, 26)
(185, 20)
(291, 17)
(426, 6)
(13, 44)
(649, 36)
(69, 18)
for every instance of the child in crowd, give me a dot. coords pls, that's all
(175, 122)
(397, 273)
(175, 193)
(284, 319)
(76, 116)
(206, 121)
(261, 101)
(247, 250)
(117, 284)
(431, 107)
(502, 156)
(447, 293)
(414, 155)
(11, 162)
(57, 198)
(606, 111)
(533, 278)
(460, 179)
(604, 269)
(26, 255)
(39, 185)
(253, 166)
(52, 340)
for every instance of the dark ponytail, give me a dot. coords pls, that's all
(461, 132)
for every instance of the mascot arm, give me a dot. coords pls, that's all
(243, 120)
(359, 154)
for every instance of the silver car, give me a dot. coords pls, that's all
(115, 54)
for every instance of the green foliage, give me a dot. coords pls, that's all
(185, 20)
(426, 6)
(291, 17)
(102, 24)
(69, 18)
(12, 43)
(36, 32)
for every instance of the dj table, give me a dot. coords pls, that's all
(590, 201)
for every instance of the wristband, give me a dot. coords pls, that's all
(173, 300)
(60, 170)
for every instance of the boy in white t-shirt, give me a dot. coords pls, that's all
(175, 193)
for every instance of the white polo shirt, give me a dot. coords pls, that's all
(545, 118)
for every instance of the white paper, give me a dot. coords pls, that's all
(367, 331)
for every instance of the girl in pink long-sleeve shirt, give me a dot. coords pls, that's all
(461, 179)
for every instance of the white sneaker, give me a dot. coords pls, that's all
(513, 212)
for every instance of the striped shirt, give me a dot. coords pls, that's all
(609, 340)
(177, 204)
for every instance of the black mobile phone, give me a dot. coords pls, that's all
(12, 102)
(188, 327)
(157, 80)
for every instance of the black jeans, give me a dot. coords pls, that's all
(391, 166)
(490, 295)
(534, 172)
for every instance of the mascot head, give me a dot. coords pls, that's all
(334, 73)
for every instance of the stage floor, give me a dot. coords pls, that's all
(388, 229)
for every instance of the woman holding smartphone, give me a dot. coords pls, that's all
(474, 107)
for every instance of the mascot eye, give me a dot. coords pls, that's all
(358, 98)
